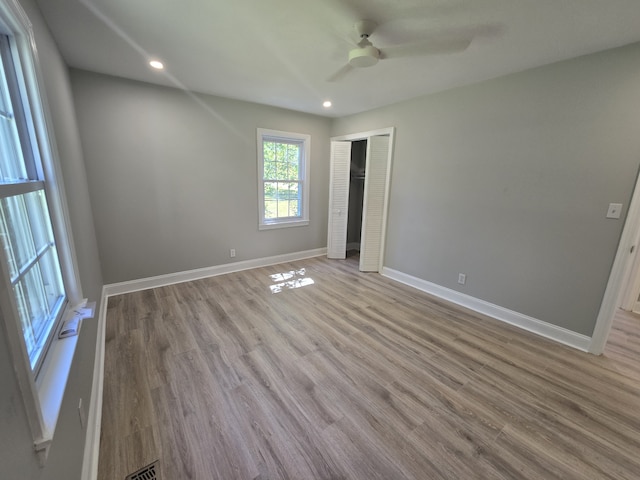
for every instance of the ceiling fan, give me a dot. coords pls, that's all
(366, 55)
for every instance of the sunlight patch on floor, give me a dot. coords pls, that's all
(290, 280)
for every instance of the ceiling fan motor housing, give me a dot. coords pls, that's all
(366, 56)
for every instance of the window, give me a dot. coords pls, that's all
(283, 185)
(39, 280)
(30, 257)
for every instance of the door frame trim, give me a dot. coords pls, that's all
(619, 276)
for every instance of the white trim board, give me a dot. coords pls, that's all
(189, 275)
(94, 419)
(364, 135)
(620, 273)
(548, 330)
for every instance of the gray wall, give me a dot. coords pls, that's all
(16, 451)
(509, 181)
(173, 177)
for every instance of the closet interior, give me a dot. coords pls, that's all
(356, 194)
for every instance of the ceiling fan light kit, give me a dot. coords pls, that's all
(366, 56)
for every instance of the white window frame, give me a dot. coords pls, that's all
(41, 394)
(265, 134)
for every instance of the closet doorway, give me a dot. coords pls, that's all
(359, 196)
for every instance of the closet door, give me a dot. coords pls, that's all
(374, 203)
(339, 199)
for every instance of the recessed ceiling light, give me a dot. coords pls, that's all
(156, 64)
(326, 104)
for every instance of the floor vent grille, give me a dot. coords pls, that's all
(150, 472)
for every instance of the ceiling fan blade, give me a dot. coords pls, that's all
(430, 47)
(340, 74)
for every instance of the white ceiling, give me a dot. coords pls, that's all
(280, 52)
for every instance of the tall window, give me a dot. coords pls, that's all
(29, 260)
(283, 167)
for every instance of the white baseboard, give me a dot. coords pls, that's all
(189, 275)
(94, 418)
(545, 329)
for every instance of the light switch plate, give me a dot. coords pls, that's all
(615, 209)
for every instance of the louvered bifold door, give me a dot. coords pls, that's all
(339, 199)
(374, 201)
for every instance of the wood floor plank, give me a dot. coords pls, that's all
(209, 421)
(301, 389)
(138, 450)
(158, 352)
(131, 386)
(551, 419)
(283, 437)
(175, 455)
(431, 399)
(361, 451)
(348, 375)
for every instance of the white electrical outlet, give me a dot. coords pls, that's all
(462, 278)
(614, 211)
(232, 252)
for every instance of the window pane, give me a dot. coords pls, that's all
(281, 161)
(269, 151)
(293, 155)
(12, 166)
(25, 228)
(294, 171)
(51, 278)
(294, 208)
(16, 234)
(292, 158)
(282, 171)
(270, 200)
(281, 150)
(270, 209)
(282, 200)
(269, 170)
(38, 303)
(294, 200)
(287, 200)
(36, 203)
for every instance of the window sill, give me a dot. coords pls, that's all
(52, 379)
(294, 223)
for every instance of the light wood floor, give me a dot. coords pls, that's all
(355, 377)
